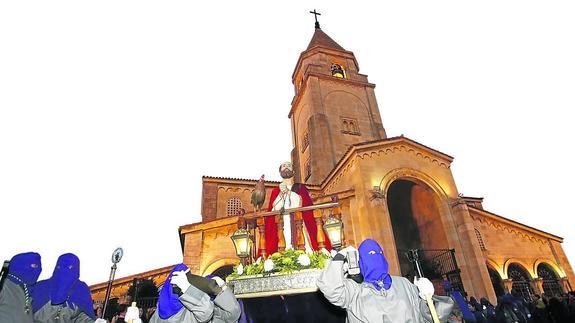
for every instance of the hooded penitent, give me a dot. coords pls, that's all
(373, 265)
(64, 287)
(169, 302)
(25, 268)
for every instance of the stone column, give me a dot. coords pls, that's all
(470, 260)
(565, 284)
(507, 285)
(537, 285)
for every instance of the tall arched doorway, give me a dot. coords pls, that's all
(521, 281)
(496, 281)
(551, 285)
(415, 220)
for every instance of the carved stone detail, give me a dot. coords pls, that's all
(305, 279)
(404, 148)
(509, 229)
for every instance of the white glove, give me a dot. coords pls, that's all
(219, 281)
(347, 249)
(179, 279)
(333, 253)
(345, 267)
(132, 313)
(425, 287)
(100, 321)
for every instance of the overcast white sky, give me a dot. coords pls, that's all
(111, 111)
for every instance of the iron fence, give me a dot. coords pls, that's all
(439, 264)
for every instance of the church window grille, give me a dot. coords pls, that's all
(307, 169)
(349, 126)
(234, 206)
(337, 71)
(305, 141)
(551, 285)
(480, 239)
(521, 281)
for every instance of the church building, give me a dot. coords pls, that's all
(392, 189)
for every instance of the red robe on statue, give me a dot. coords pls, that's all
(308, 219)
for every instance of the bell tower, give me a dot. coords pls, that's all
(334, 107)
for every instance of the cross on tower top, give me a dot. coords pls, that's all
(315, 13)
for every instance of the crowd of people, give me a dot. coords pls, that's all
(516, 309)
(64, 298)
(371, 296)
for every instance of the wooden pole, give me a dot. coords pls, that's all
(286, 211)
(299, 227)
(262, 229)
(281, 238)
(319, 226)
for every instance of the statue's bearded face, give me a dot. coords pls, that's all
(286, 170)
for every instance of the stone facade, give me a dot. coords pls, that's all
(394, 190)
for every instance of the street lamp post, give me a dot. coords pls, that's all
(116, 257)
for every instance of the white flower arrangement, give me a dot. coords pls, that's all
(283, 263)
(268, 265)
(304, 260)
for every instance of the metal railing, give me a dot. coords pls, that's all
(439, 264)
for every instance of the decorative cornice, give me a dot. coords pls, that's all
(509, 226)
(128, 279)
(234, 181)
(508, 229)
(320, 49)
(199, 226)
(281, 284)
(404, 148)
(346, 82)
(381, 147)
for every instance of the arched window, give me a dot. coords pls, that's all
(521, 281)
(551, 285)
(480, 239)
(349, 126)
(337, 71)
(234, 206)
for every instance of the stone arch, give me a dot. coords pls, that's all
(417, 209)
(495, 277)
(558, 271)
(519, 262)
(413, 175)
(521, 280)
(548, 278)
(218, 264)
(498, 268)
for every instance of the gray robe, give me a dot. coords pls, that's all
(197, 308)
(363, 303)
(227, 309)
(12, 304)
(49, 312)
